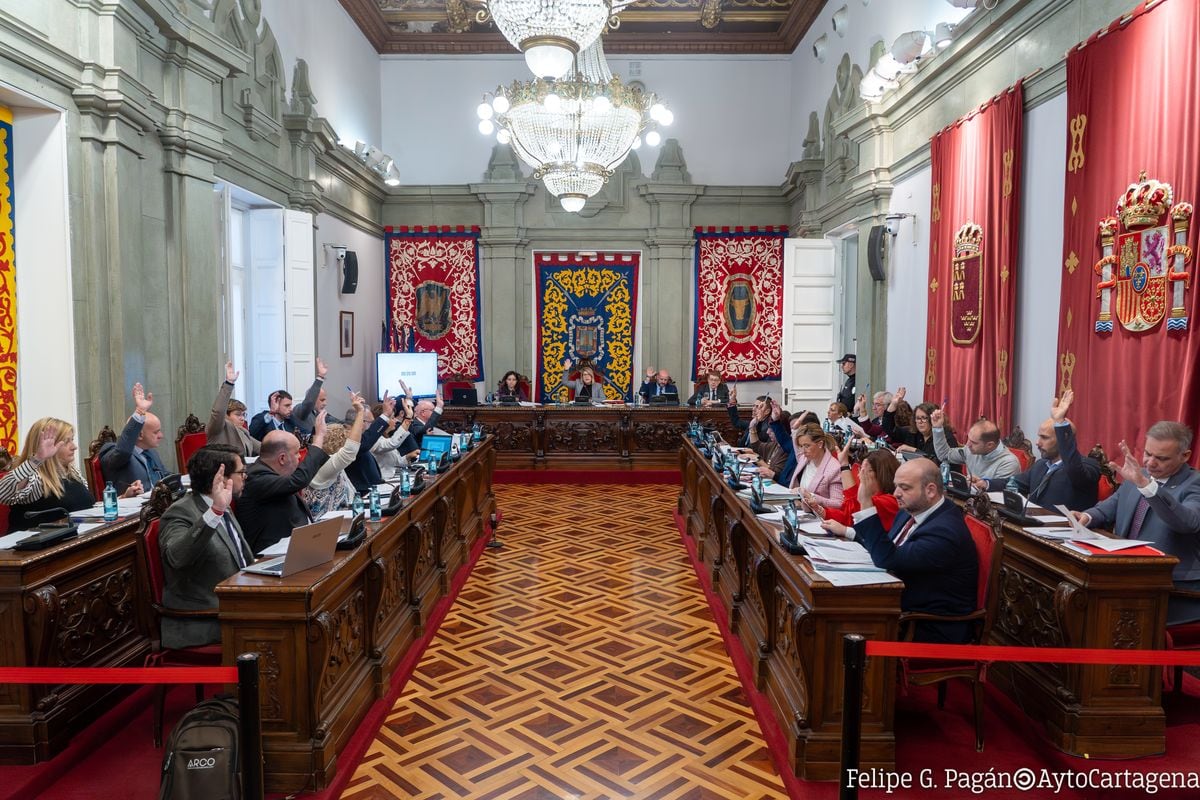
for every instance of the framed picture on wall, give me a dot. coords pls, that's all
(347, 339)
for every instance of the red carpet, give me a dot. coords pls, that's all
(930, 741)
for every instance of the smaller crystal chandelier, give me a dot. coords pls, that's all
(574, 132)
(551, 32)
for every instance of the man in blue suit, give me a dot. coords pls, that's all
(1159, 503)
(1061, 476)
(132, 459)
(928, 547)
(659, 384)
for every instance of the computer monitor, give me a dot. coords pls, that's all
(418, 370)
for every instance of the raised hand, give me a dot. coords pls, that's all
(142, 400)
(231, 374)
(1058, 411)
(844, 453)
(566, 363)
(776, 411)
(733, 395)
(1130, 469)
(389, 404)
(896, 398)
(133, 490)
(321, 369)
(319, 429)
(273, 403)
(222, 491)
(938, 418)
(356, 401)
(650, 373)
(48, 445)
(860, 406)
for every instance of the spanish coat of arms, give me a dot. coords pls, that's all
(1145, 254)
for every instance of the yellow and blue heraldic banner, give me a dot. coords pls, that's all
(587, 312)
(8, 290)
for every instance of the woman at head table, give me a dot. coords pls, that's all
(585, 386)
(510, 386)
(45, 476)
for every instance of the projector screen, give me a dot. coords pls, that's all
(418, 370)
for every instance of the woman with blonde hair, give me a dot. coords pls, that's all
(330, 488)
(45, 475)
(817, 476)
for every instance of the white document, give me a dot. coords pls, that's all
(856, 577)
(1063, 534)
(779, 490)
(344, 513)
(10, 541)
(279, 548)
(771, 516)
(1053, 519)
(996, 497)
(1114, 545)
(813, 527)
(836, 553)
(1084, 533)
(95, 512)
(85, 527)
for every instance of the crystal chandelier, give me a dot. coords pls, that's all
(574, 132)
(551, 32)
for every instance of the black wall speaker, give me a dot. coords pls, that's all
(349, 272)
(877, 252)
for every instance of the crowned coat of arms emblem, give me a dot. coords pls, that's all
(1144, 258)
(966, 284)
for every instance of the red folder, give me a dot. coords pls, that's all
(1143, 550)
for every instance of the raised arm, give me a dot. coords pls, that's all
(216, 419)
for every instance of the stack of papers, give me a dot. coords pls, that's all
(843, 563)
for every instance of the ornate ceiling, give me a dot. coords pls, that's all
(647, 26)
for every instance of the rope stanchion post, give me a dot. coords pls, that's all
(494, 543)
(854, 658)
(251, 725)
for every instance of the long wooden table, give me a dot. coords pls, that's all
(586, 437)
(790, 622)
(76, 604)
(330, 637)
(1053, 596)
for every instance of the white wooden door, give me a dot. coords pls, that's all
(810, 324)
(267, 345)
(299, 306)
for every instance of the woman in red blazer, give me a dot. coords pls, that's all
(816, 477)
(876, 479)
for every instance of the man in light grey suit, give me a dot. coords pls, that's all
(201, 544)
(1159, 505)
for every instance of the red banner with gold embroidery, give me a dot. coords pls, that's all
(433, 296)
(739, 303)
(974, 220)
(1127, 340)
(8, 290)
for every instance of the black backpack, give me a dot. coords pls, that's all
(203, 758)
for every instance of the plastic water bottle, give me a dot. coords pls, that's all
(110, 502)
(759, 487)
(880, 444)
(376, 511)
(405, 483)
(789, 512)
(945, 474)
(1011, 485)
(433, 464)
(356, 503)
(476, 432)
(826, 425)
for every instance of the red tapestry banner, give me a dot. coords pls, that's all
(1127, 341)
(974, 223)
(433, 296)
(739, 303)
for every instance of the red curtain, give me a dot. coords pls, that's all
(1133, 105)
(974, 223)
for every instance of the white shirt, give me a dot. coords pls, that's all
(214, 520)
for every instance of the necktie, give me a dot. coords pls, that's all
(659, 392)
(1139, 516)
(1041, 487)
(906, 530)
(237, 541)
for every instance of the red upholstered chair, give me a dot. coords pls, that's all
(984, 526)
(95, 476)
(455, 381)
(189, 438)
(159, 656)
(1020, 446)
(1108, 476)
(574, 376)
(1185, 636)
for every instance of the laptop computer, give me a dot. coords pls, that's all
(464, 397)
(309, 546)
(959, 486)
(664, 400)
(1015, 508)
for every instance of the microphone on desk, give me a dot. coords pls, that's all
(48, 515)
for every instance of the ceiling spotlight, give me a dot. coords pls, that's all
(393, 175)
(942, 35)
(484, 111)
(653, 138)
(503, 136)
(909, 47)
(500, 104)
(820, 46)
(486, 127)
(841, 20)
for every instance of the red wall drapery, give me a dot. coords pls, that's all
(972, 288)
(1133, 104)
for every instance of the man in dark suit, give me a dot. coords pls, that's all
(201, 544)
(1061, 476)
(1159, 503)
(759, 418)
(277, 417)
(711, 394)
(849, 364)
(132, 458)
(364, 472)
(270, 505)
(305, 412)
(928, 547)
(659, 384)
(426, 416)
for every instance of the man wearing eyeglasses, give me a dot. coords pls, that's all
(201, 544)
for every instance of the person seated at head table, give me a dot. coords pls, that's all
(330, 488)
(875, 486)
(45, 475)
(1158, 502)
(270, 506)
(1061, 476)
(984, 455)
(920, 438)
(227, 421)
(928, 546)
(816, 477)
(201, 544)
(133, 457)
(510, 386)
(658, 383)
(713, 393)
(584, 387)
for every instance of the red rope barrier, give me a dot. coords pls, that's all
(55, 675)
(1040, 655)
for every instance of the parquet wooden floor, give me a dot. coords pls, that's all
(576, 663)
